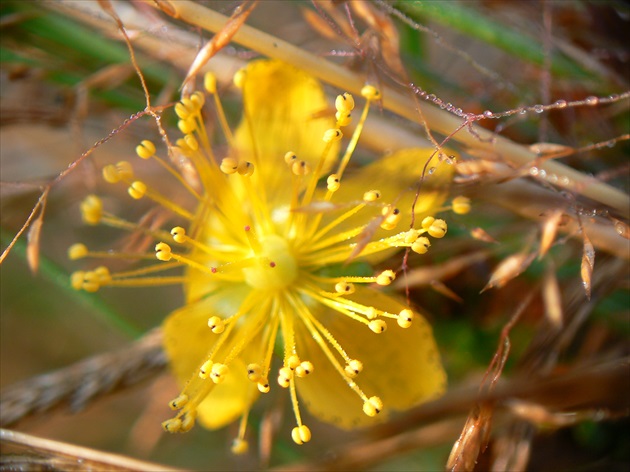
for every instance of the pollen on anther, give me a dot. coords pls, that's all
(370, 92)
(92, 209)
(301, 168)
(290, 157)
(332, 135)
(284, 377)
(239, 446)
(437, 229)
(333, 183)
(204, 370)
(301, 434)
(216, 324)
(344, 287)
(210, 82)
(229, 165)
(405, 317)
(353, 368)
(218, 373)
(344, 102)
(146, 149)
(378, 326)
(77, 251)
(461, 205)
(304, 369)
(263, 386)
(163, 252)
(245, 168)
(172, 425)
(178, 402)
(392, 217)
(421, 245)
(371, 196)
(179, 234)
(137, 190)
(372, 406)
(254, 372)
(386, 277)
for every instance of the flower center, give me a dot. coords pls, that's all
(277, 267)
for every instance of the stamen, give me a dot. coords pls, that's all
(461, 205)
(436, 228)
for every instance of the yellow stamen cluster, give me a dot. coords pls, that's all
(271, 248)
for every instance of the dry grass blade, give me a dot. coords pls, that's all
(552, 298)
(34, 233)
(471, 441)
(588, 262)
(549, 231)
(79, 384)
(511, 267)
(33, 453)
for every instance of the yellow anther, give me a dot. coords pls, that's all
(332, 135)
(301, 168)
(386, 277)
(378, 326)
(254, 372)
(427, 222)
(102, 274)
(186, 126)
(245, 168)
(239, 446)
(344, 118)
(369, 92)
(344, 287)
(421, 245)
(353, 368)
(304, 369)
(392, 217)
(178, 402)
(90, 282)
(218, 373)
(77, 251)
(174, 425)
(204, 370)
(263, 386)
(411, 236)
(239, 78)
(371, 313)
(188, 421)
(198, 99)
(437, 229)
(284, 377)
(344, 102)
(191, 142)
(125, 170)
(92, 210)
(163, 252)
(461, 205)
(137, 189)
(229, 165)
(210, 82)
(179, 234)
(188, 103)
(371, 196)
(181, 111)
(290, 157)
(76, 279)
(145, 149)
(372, 406)
(216, 324)
(293, 361)
(301, 434)
(405, 317)
(333, 182)
(110, 174)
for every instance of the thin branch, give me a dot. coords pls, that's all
(81, 383)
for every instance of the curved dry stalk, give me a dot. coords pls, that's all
(34, 453)
(81, 383)
(439, 120)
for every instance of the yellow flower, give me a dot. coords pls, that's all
(278, 256)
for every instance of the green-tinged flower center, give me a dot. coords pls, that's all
(276, 269)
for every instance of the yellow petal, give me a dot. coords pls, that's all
(187, 341)
(397, 176)
(401, 366)
(288, 111)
